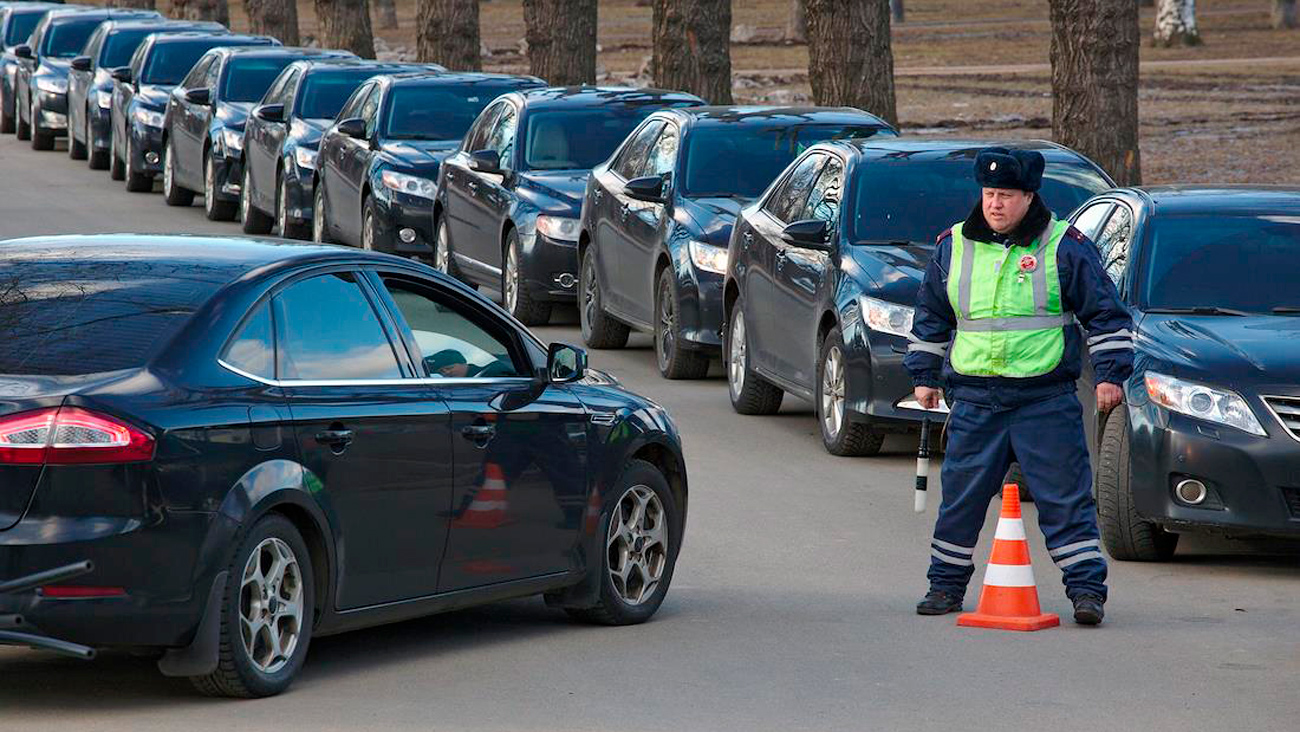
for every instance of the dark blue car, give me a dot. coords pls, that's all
(375, 181)
(509, 198)
(657, 218)
(17, 21)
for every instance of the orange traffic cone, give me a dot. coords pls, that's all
(488, 509)
(591, 520)
(1010, 597)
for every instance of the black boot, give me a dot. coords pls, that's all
(938, 602)
(1089, 610)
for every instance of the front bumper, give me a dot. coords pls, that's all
(548, 267)
(101, 124)
(229, 172)
(52, 112)
(879, 388)
(700, 308)
(146, 148)
(298, 202)
(399, 212)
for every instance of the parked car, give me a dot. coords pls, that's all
(17, 21)
(41, 83)
(823, 270)
(258, 443)
(90, 80)
(282, 135)
(1207, 437)
(657, 216)
(140, 94)
(203, 129)
(377, 187)
(508, 200)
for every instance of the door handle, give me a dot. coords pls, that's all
(473, 186)
(479, 433)
(747, 239)
(625, 211)
(597, 195)
(337, 439)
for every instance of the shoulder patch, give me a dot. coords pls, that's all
(945, 234)
(1075, 234)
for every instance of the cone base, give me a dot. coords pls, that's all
(1004, 622)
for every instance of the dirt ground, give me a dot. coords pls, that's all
(1227, 111)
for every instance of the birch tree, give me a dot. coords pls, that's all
(1176, 23)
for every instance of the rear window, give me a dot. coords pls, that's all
(65, 314)
(247, 79)
(65, 40)
(170, 62)
(21, 26)
(439, 112)
(325, 93)
(580, 139)
(119, 46)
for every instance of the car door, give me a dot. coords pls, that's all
(376, 443)
(329, 159)
(519, 443)
(644, 226)
(614, 207)
(489, 197)
(123, 94)
(189, 124)
(345, 199)
(79, 83)
(264, 139)
(460, 183)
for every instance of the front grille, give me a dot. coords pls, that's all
(1292, 497)
(1287, 411)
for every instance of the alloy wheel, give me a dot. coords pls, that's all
(666, 333)
(442, 251)
(209, 184)
(637, 544)
(832, 391)
(368, 232)
(511, 295)
(245, 196)
(169, 179)
(271, 605)
(590, 295)
(282, 207)
(318, 216)
(736, 354)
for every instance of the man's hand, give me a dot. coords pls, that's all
(928, 397)
(1109, 396)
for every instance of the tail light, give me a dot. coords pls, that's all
(70, 436)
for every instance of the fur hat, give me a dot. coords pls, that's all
(998, 167)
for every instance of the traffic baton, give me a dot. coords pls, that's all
(922, 467)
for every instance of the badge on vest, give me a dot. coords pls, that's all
(1028, 263)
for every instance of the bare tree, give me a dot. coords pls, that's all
(277, 18)
(345, 24)
(1095, 83)
(561, 38)
(141, 4)
(1284, 15)
(896, 10)
(1176, 24)
(216, 10)
(850, 59)
(796, 25)
(386, 10)
(1146, 3)
(692, 48)
(447, 33)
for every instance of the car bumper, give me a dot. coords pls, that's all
(879, 388)
(407, 222)
(549, 268)
(146, 149)
(100, 128)
(699, 310)
(298, 202)
(52, 112)
(229, 172)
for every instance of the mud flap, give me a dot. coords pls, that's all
(201, 656)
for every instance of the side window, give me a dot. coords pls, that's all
(137, 59)
(328, 330)
(353, 105)
(95, 43)
(453, 341)
(280, 90)
(824, 201)
(502, 137)
(663, 156)
(211, 75)
(478, 134)
(787, 200)
(253, 350)
(370, 111)
(194, 79)
(631, 161)
(1090, 219)
(1114, 241)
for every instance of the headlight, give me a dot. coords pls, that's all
(887, 317)
(232, 139)
(411, 185)
(148, 117)
(708, 257)
(306, 158)
(1202, 402)
(52, 85)
(104, 99)
(558, 228)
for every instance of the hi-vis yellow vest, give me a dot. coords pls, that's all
(1008, 304)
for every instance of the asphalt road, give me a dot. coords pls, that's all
(791, 608)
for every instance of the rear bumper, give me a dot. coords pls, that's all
(550, 268)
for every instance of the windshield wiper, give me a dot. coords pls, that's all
(1287, 310)
(1200, 310)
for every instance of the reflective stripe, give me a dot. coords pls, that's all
(967, 274)
(1009, 575)
(1076, 546)
(1111, 345)
(1036, 322)
(938, 349)
(1010, 529)
(965, 552)
(1039, 276)
(1063, 563)
(1126, 333)
(951, 560)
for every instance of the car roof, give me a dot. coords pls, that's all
(772, 114)
(454, 78)
(1219, 199)
(68, 11)
(931, 148)
(163, 37)
(275, 51)
(345, 63)
(577, 97)
(162, 24)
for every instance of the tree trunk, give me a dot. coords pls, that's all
(1176, 24)
(201, 10)
(692, 48)
(850, 60)
(141, 4)
(1284, 15)
(896, 10)
(561, 39)
(1095, 83)
(345, 24)
(1146, 3)
(276, 18)
(447, 33)
(796, 26)
(386, 10)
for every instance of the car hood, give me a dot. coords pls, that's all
(309, 131)
(1228, 350)
(564, 188)
(419, 156)
(53, 67)
(890, 272)
(713, 217)
(153, 95)
(234, 114)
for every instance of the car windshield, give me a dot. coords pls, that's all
(119, 46)
(21, 26)
(247, 79)
(169, 62)
(741, 160)
(325, 92)
(438, 112)
(578, 139)
(65, 40)
(905, 199)
(1248, 263)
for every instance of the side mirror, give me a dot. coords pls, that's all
(122, 74)
(809, 234)
(354, 127)
(270, 113)
(565, 364)
(199, 95)
(485, 161)
(649, 189)
(23, 50)
(81, 63)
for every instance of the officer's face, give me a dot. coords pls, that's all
(1005, 207)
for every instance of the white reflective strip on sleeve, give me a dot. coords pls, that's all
(1063, 563)
(964, 551)
(1076, 546)
(1009, 575)
(1112, 345)
(1126, 333)
(951, 560)
(938, 349)
(1011, 529)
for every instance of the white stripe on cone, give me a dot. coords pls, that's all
(1011, 529)
(1009, 575)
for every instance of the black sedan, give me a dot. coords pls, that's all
(203, 128)
(509, 199)
(90, 81)
(17, 21)
(379, 162)
(41, 83)
(656, 220)
(282, 136)
(257, 444)
(1209, 436)
(823, 271)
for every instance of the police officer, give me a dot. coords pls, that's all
(996, 326)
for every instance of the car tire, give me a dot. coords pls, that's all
(173, 193)
(750, 393)
(251, 219)
(371, 238)
(840, 434)
(1126, 536)
(674, 358)
(77, 150)
(22, 128)
(214, 208)
(7, 122)
(514, 296)
(136, 182)
(95, 159)
(642, 545)
(443, 259)
(116, 169)
(599, 330)
(247, 668)
(320, 232)
(288, 228)
(40, 140)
